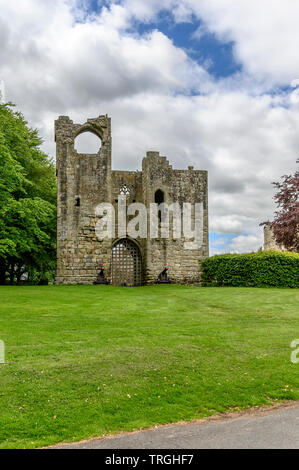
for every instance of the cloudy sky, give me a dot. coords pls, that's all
(209, 83)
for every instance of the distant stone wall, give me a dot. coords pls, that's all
(85, 180)
(269, 240)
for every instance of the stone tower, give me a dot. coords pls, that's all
(86, 180)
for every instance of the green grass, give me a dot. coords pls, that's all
(85, 361)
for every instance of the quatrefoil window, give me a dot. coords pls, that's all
(125, 190)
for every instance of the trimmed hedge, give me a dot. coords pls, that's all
(262, 269)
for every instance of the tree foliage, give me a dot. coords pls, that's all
(285, 225)
(27, 201)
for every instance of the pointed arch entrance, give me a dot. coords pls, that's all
(126, 264)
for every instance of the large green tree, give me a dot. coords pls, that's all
(27, 201)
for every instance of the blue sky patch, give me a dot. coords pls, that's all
(221, 241)
(208, 51)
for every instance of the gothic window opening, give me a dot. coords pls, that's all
(125, 190)
(126, 264)
(159, 199)
(77, 201)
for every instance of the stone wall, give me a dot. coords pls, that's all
(269, 240)
(182, 186)
(84, 181)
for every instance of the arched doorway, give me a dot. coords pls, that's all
(126, 264)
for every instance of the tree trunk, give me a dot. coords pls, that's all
(12, 274)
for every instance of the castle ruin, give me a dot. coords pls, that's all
(86, 180)
(269, 240)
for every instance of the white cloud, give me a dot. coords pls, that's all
(265, 33)
(67, 64)
(240, 244)
(57, 60)
(246, 243)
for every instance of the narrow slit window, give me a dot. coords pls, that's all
(159, 199)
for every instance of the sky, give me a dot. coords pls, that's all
(209, 83)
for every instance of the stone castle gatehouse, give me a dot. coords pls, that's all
(86, 180)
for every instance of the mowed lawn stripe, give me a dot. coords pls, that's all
(85, 361)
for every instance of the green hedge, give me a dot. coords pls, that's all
(262, 269)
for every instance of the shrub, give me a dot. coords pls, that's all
(262, 269)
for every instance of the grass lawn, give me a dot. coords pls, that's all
(85, 361)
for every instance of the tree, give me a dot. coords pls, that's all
(27, 201)
(285, 225)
